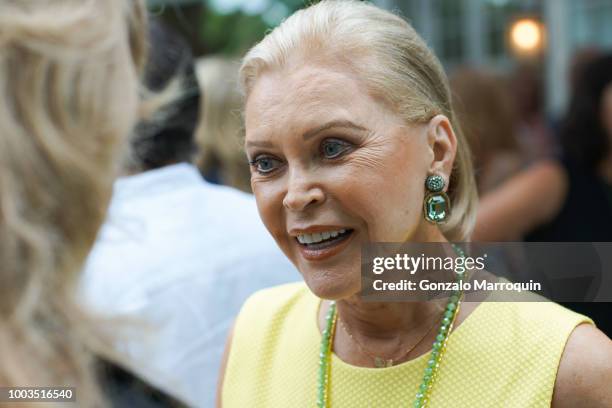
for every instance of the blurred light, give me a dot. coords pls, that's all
(255, 6)
(498, 3)
(225, 6)
(250, 7)
(275, 14)
(526, 35)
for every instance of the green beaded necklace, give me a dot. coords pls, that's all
(437, 352)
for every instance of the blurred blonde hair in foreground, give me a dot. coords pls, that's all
(69, 89)
(396, 65)
(220, 135)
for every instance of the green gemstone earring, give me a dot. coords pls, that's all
(436, 206)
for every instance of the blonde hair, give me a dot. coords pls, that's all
(219, 134)
(395, 64)
(69, 90)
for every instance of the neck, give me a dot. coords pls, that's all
(384, 334)
(387, 320)
(426, 232)
(388, 329)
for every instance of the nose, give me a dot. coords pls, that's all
(302, 193)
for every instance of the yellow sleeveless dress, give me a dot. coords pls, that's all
(504, 354)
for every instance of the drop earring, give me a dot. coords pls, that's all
(436, 206)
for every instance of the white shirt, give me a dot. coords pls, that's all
(182, 255)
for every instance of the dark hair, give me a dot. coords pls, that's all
(168, 137)
(583, 137)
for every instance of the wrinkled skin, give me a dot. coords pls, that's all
(375, 185)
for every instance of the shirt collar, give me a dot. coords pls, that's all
(162, 179)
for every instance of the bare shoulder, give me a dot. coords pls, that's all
(585, 370)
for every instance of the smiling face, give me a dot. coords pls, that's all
(333, 168)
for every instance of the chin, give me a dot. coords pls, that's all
(332, 286)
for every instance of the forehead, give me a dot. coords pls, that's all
(303, 98)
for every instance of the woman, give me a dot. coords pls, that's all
(578, 187)
(347, 115)
(487, 119)
(219, 134)
(69, 86)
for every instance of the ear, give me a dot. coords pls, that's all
(443, 146)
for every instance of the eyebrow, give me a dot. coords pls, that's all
(330, 125)
(258, 144)
(313, 132)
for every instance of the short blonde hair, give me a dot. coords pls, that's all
(394, 62)
(69, 88)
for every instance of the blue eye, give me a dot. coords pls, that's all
(333, 148)
(265, 164)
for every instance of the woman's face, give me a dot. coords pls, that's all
(333, 168)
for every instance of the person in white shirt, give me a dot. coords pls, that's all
(177, 252)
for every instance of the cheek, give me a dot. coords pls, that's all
(387, 193)
(396, 207)
(269, 205)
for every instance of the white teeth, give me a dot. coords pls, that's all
(318, 236)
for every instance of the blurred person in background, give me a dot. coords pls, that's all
(178, 252)
(581, 59)
(487, 118)
(69, 86)
(570, 199)
(533, 129)
(348, 121)
(219, 136)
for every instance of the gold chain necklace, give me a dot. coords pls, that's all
(380, 362)
(436, 354)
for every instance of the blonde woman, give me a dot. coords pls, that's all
(347, 115)
(219, 134)
(69, 86)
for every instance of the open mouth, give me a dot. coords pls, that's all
(322, 240)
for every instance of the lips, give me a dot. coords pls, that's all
(324, 244)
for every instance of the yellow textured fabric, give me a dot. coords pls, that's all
(505, 354)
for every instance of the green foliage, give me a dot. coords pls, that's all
(230, 34)
(212, 32)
